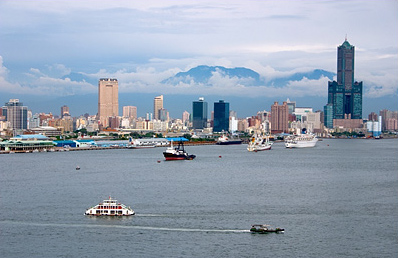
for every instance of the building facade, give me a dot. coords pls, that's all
(328, 115)
(130, 111)
(199, 114)
(16, 114)
(64, 111)
(279, 118)
(345, 94)
(108, 100)
(221, 116)
(157, 106)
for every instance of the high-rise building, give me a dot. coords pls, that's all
(130, 111)
(163, 115)
(108, 100)
(328, 115)
(157, 106)
(199, 114)
(64, 111)
(185, 116)
(345, 94)
(16, 114)
(221, 116)
(279, 118)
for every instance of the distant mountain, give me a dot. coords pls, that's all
(202, 74)
(248, 77)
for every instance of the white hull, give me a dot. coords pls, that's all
(259, 148)
(301, 141)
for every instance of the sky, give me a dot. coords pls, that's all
(142, 43)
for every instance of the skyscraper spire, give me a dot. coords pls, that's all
(346, 37)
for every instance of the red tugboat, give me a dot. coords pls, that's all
(177, 153)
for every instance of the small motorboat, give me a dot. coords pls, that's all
(77, 168)
(263, 229)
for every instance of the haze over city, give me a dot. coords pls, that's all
(54, 52)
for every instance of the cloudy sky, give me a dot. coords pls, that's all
(141, 43)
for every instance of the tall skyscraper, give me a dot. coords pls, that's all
(346, 94)
(157, 106)
(16, 114)
(108, 100)
(279, 118)
(221, 116)
(199, 114)
(64, 111)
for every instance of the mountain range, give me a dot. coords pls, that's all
(248, 77)
(202, 74)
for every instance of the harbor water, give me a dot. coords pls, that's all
(338, 199)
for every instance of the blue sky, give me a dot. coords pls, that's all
(142, 43)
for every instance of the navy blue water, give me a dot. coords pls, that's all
(339, 199)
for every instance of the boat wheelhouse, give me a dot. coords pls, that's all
(110, 207)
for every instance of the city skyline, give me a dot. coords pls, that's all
(51, 52)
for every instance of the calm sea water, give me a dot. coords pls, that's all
(338, 199)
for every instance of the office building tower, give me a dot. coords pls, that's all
(108, 100)
(292, 106)
(16, 114)
(64, 111)
(328, 115)
(163, 115)
(157, 106)
(185, 117)
(199, 114)
(221, 116)
(130, 111)
(345, 94)
(279, 118)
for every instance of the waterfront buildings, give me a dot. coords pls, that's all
(16, 114)
(199, 114)
(108, 100)
(221, 116)
(279, 118)
(345, 94)
(157, 106)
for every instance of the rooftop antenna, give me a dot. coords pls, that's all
(346, 37)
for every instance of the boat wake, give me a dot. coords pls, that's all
(127, 227)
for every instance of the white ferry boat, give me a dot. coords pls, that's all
(110, 207)
(303, 140)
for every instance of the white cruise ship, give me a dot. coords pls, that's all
(304, 140)
(110, 207)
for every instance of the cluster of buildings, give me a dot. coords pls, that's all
(343, 112)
